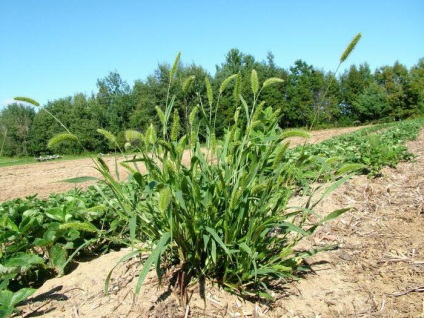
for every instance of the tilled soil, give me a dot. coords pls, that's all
(377, 271)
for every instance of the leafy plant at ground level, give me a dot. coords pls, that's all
(39, 238)
(8, 300)
(374, 147)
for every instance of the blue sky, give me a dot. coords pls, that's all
(51, 49)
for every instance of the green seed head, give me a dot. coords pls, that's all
(237, 88)
(254, 81)
(193, 115)
(174, 66)
(209, 91)
(175, 129)
(350, 47)
(226, 82)
(109, 136)
(133, 136)
(27, 100)
(164, 199)
(187, 83)
(61, 138)
(271, 81)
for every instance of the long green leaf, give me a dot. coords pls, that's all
(154, 258)
(120, 261)
(212, 232)
(331, 188)
(79, 179)
(22, 294)
(333, 215)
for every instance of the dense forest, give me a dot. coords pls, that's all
(308, 97)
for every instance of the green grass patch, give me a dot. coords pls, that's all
(7, 162)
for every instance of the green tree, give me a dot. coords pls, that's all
(415, 87)
(394, 80)
(228, 101)
(84, 123)
(273, 95)
(45, 127)
(352, 84)
(303, 93)
(116, 104)
(147, 95)
(327, 102)
(242, 64)
(372, 104)
(188, 87)
(15, 122)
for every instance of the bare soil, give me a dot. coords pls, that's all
(377, 271)
(44, 178)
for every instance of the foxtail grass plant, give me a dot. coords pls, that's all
(222, 215)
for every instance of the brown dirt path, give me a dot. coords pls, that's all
(378, 271)
(43, 178)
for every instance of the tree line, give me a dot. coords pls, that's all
(307, 97)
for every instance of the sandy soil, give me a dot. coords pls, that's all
(378, 270)
(43, 178)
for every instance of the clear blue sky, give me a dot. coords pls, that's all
(55, 48)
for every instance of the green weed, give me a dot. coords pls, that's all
(223, 216)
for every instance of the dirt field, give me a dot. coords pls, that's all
(46, 177)
(378, 271)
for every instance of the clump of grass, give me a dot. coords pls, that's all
(223, 216)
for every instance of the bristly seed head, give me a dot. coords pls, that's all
(209, 91)
(175, 129)
(174, 66)
(27, 100)
(187, 83)
(350, 47)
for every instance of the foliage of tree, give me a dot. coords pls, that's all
(415, 87)
(394, 80)
(307, 97)
(115, 101)
(303, 93)
(353, 83)
(15, 122)
(372, 104)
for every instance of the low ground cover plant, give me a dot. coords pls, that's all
(40, 237)
(374, 147)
